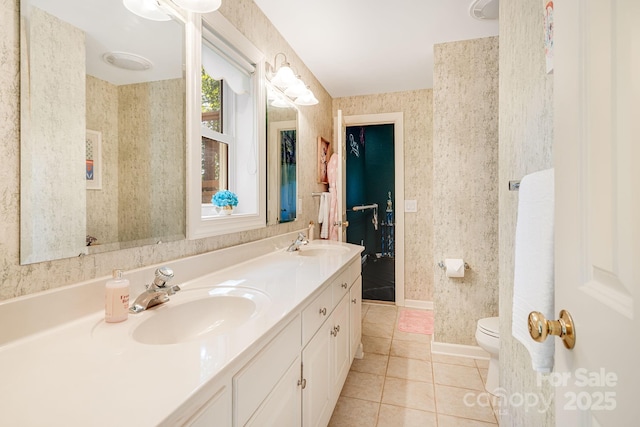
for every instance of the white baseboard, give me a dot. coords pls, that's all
(460, 350)
(414, 303)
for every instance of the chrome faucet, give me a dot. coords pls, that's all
(301, 240)
(157, 292)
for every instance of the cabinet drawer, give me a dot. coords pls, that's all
(341, 284)
(256, 380)
(315, 314)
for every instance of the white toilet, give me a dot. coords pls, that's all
(488, 337)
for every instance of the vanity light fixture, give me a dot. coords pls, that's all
(284, 79)
(153, 9)
(308, 98)
(484, 9)
(199, 6)
(148, 9)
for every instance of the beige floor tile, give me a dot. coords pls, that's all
(379, 313)
(483, 374)
(463, 403)
(482, 363)
(365, 308)
(457, 376)
(411, 349)
(371, 363)
(453, 360)
(409, 394)
(448, 421)
(351, 412)
(363, 386)
(409, 369)
(376, 345)
(395, 416)
(408, 336)
(382, 330)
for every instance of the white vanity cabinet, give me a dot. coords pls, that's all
(296, 378)
(217, 411)
(355, 318)
(326, 358)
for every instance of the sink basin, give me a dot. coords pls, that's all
(322, 251)
(216, 311)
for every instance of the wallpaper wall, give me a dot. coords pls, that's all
(52, 171)
(18, 280)
(465, 185)
(526, 137)
(151, 160)
(102, 116)
(417, 107)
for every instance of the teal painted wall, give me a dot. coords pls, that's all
(370, 176)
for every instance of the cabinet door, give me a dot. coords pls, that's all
(216, 413)
(316, 368)
(282, 407)
(341, 362)
(355, 318)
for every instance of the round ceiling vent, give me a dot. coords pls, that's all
(127, 61)
(484, 9)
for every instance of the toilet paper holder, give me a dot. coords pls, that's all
(442, 266)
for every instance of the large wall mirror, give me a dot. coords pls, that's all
(282, 149)
(102, 128)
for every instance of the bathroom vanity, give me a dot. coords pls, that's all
(257, 336)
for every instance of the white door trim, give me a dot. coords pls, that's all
(397, 120)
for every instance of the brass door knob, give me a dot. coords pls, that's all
(540, 328)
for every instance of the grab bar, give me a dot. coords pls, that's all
(364, 207)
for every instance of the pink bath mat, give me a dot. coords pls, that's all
(416, 321)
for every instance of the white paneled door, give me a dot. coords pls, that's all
(597, 252)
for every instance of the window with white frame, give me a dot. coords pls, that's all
(230, 154)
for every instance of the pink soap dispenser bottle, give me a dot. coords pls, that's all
(116, 303)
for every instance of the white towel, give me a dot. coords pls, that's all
(533, 282)
(323, 214)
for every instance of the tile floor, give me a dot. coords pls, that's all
(399, 383)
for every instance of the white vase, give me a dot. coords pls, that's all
(226, 210)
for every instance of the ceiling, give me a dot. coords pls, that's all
(110, 27)
(363, 47)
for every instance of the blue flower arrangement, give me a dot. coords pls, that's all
(224, 198)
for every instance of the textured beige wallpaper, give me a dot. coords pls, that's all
(465, 185)
(52, 164)
(526, 136)
(102, 116)
(151, 160)
(417, 107)
(18, 280)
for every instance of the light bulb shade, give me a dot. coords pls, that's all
(284, 77)
(298, 88)
(306, 99)
(199, 6)
(280, 103)
(147, 9)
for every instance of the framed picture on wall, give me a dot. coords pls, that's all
(324, 153)
(93, 162)
(548, 35)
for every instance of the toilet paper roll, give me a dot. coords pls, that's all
(454, 267)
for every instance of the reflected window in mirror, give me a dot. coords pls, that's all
(230, 154)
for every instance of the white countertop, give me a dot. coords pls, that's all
(89, 373)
